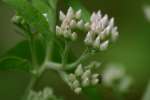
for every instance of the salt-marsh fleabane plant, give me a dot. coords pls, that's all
(37, 20)
(99, 31)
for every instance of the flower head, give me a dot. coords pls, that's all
(111, 74)
(46, 94)
(116, 76)
(69, 22)
(102, 30)
(83, 77)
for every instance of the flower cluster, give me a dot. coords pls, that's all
(83, 77)
(101, 31)
(117, 77)
(69, 21)
(46, 94)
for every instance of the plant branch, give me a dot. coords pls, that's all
(52, 24)
(52, 65)
(65, 54)
(36, 69)
(29, 87)
(33, 51)
(85, 55)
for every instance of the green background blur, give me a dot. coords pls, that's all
(132, 50)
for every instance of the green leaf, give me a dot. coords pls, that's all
(14, 63)
(32, 16)
(22, 50)
(41, 6)
(76, 4)
(147, 93)
(47, 7)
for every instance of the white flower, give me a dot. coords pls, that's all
(83, 77)
(72, 77)
(104, 45)
(68, 22)
(80, 24)
(116, 76)
(75, 84)
(85, 82)
(78, 90)
(95, 76)
(89, 38)
(45, 94)
(73, 24)
(61, 16)
(101, 31)
(94, 81)
(111, 74)
(79, 70)
(78, 14)
(74, 36)
(86, 74)
(114, 33)
(97, 42)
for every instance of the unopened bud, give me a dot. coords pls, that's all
(74, 36)
(79, 70)
(61, 16)
(78, 14)
(86, 74)
(77, 90)
(75, 84)
(85, 82)
(95, 81)
(104, 45)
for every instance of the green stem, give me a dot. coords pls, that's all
(51, 65)
(33, 51)
(48, 51)
(29, 87)
(52, 24)
(36, 69)
(65, 54)
(86, 54)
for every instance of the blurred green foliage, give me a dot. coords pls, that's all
(132, 49)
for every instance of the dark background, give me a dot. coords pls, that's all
(132, 50)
